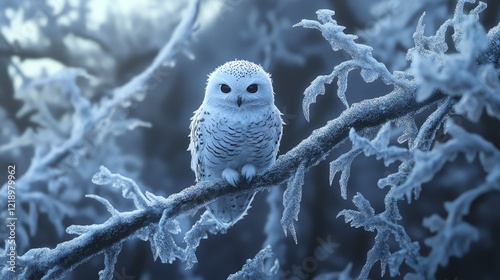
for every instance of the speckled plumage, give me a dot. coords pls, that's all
(235, 133)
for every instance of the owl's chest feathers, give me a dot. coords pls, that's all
(239, 139)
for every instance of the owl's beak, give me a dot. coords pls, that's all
(239, 101)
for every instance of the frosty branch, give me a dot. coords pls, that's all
(87, 119)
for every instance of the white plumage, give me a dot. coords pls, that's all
(235, 133)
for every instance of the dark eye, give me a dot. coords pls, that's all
(252, 88)
(225, 88)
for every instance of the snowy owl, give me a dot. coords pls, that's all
(235, 133)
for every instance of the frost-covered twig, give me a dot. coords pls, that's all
(390, 33)
(427, 164)
(386, 226)
(87, 117)
(256, 267)
(206, 224)
(459, 75)
(291, 202)
(361, 56)
(138, 84)
(453, 234)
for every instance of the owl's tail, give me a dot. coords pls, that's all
(229, 209)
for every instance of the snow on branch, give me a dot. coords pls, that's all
(491, 55)
(458, 75)
(423, 140)
(128, 187)
(291, 201)
(56, 144)
(206, 224)
(427, 164)
(361, 56)
(454, 235)
(256, 267)
(138, 84)
(455, 232)
(470, 87)
(386, 226)
(343, 165)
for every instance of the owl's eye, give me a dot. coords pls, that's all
(252, 88)
(225, 88)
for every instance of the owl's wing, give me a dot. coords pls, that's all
(197, 143)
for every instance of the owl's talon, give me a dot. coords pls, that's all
(231, 176)
(248, 171)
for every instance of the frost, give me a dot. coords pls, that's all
(457, 75)
(454, 235)
(361, 56)
(273, 228)
(343, 164)
(105, 202)
(110, 258)
(423, 141)
(162, 243)
(454, 232)
(200, 230)
(159, 235)
(427, 164)
(410, 130)
(493, 49)
(128, 187)
(386, 226)
(369, 75)
(256, 268)
(291, 201)
(378, 146)
(390, 33)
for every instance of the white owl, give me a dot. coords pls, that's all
(235, 132)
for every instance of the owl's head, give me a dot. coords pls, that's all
(239, 84)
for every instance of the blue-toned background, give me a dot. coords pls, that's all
(114, 42)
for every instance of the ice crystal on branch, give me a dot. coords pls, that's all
(200, 230)
(386, 226)
(256, 268)
(291, 201)
(129, 188)
(361, 56)
(457, 75)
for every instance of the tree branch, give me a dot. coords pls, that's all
(309, 152)
(86, 120)
(135, 86)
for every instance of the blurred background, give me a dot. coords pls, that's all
(114, 41)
